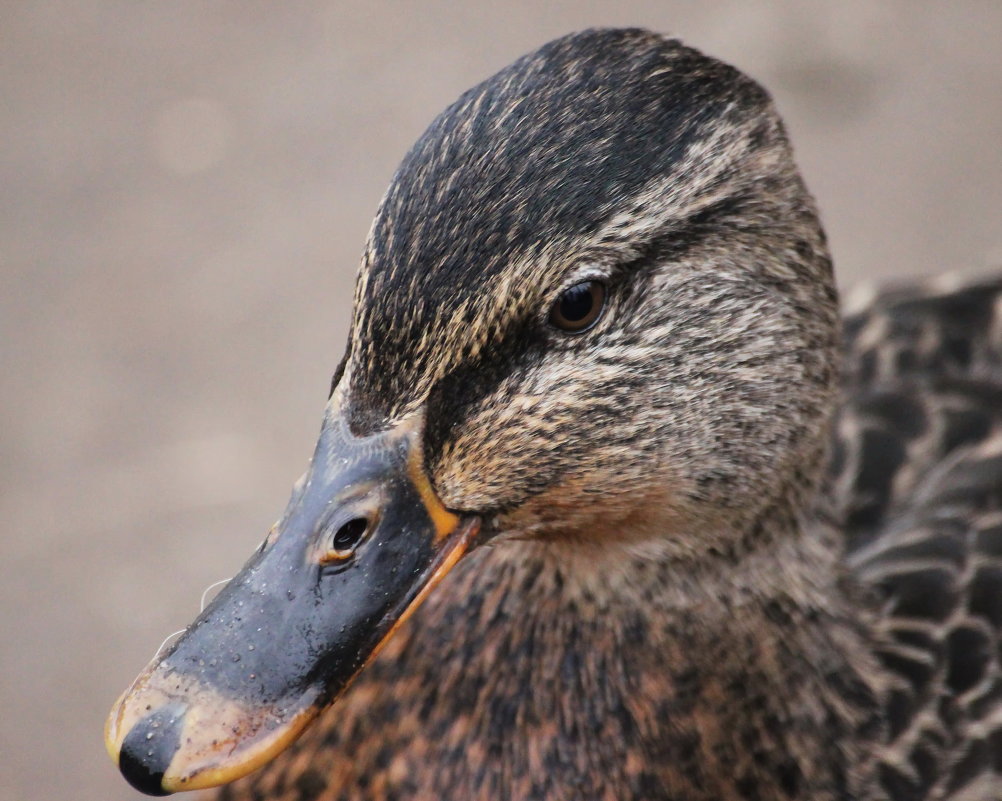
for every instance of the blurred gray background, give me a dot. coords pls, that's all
(186, 190)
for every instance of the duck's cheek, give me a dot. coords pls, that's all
(598, 504)
(489, 465)
(550, 469)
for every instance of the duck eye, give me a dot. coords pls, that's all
(346, 539)
(578, 308)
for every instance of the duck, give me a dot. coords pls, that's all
(610, 499)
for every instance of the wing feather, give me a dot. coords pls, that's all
(916, 479)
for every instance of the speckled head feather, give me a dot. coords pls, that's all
(621, 156)
(528, 172)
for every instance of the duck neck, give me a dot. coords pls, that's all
(745, 675)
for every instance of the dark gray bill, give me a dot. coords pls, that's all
(362, 542)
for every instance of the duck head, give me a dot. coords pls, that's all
(595, 310)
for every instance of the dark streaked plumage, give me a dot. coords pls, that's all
(918, 481)
(661, 610)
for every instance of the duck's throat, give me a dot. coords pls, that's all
(519, 680)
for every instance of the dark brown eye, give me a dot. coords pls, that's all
(578, 308)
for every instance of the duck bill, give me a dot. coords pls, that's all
(363, 541)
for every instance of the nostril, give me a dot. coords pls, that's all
(148, 749)
(347, 537)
